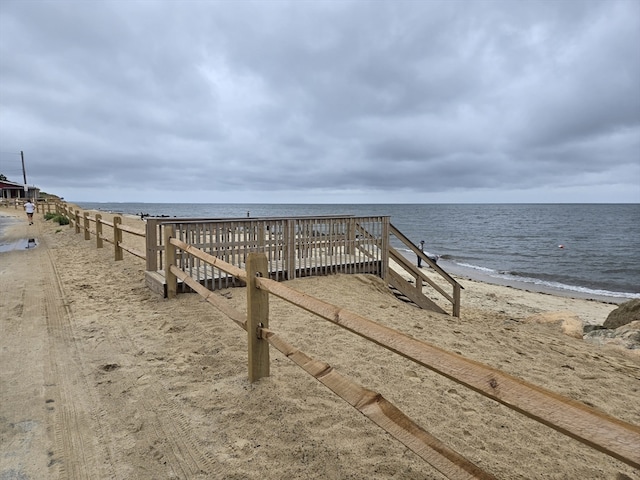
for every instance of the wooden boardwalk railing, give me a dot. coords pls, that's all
(413, 291)
(297, 247)
(609, 435)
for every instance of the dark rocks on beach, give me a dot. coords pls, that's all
(592, 328)
(621, 328)
(626, 336)
(626, 313)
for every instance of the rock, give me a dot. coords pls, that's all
(569, 322)
(591, 328)
(626, 336)
(626, 313)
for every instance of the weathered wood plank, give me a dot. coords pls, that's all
(133, 231)
(401, 260)
(412, 293)
(169, 261)
(211, 297)
(609, 435)
(427, 260)
(257, 317)
(99, 243)
(117, 238)
(132, 251)
(215, 261)
(383, 413)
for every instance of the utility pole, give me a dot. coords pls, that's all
(24, 172)
(24, 175)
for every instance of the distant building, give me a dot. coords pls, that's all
(9, 190)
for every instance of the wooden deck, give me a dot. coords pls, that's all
(294, 247)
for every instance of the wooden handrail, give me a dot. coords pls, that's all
(607, 434)
(429, 262)
(416, 294)
(400, 259)
(383, 413)
(133, 231)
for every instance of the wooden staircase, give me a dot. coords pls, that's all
(400, 267)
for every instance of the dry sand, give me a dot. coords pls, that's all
(100, 378)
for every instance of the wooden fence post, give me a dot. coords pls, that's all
(456, 300)
(117, 238)
(350, 247)
(169, 259)
(289, 241)
(87, 230)
(257, 316)
(77, 221)
(98, 230)
(152, 244)
(385, 243)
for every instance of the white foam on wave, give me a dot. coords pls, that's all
(506, 277)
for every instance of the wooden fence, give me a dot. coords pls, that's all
(587, 425)
(85, 223)
(42, 206)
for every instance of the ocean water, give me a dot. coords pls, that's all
(582, 250)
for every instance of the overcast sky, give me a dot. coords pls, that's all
(332, 101)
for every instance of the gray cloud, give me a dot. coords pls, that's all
(323, 101)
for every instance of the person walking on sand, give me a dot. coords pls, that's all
(422, 250)
(29, 207)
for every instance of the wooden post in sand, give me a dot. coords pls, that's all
(456, 300)
(98, 230)
(77, 221)
(152, 244)
(87, 230)
(117, 238)
(257, 317)
(169, 260)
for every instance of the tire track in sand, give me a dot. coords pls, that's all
(80, 446)
(135, 431)
(167, 431)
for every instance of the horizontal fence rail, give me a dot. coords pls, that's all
(83, 223)
(604, 433)
(42, 205)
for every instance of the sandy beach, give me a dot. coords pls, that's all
(101, 378)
